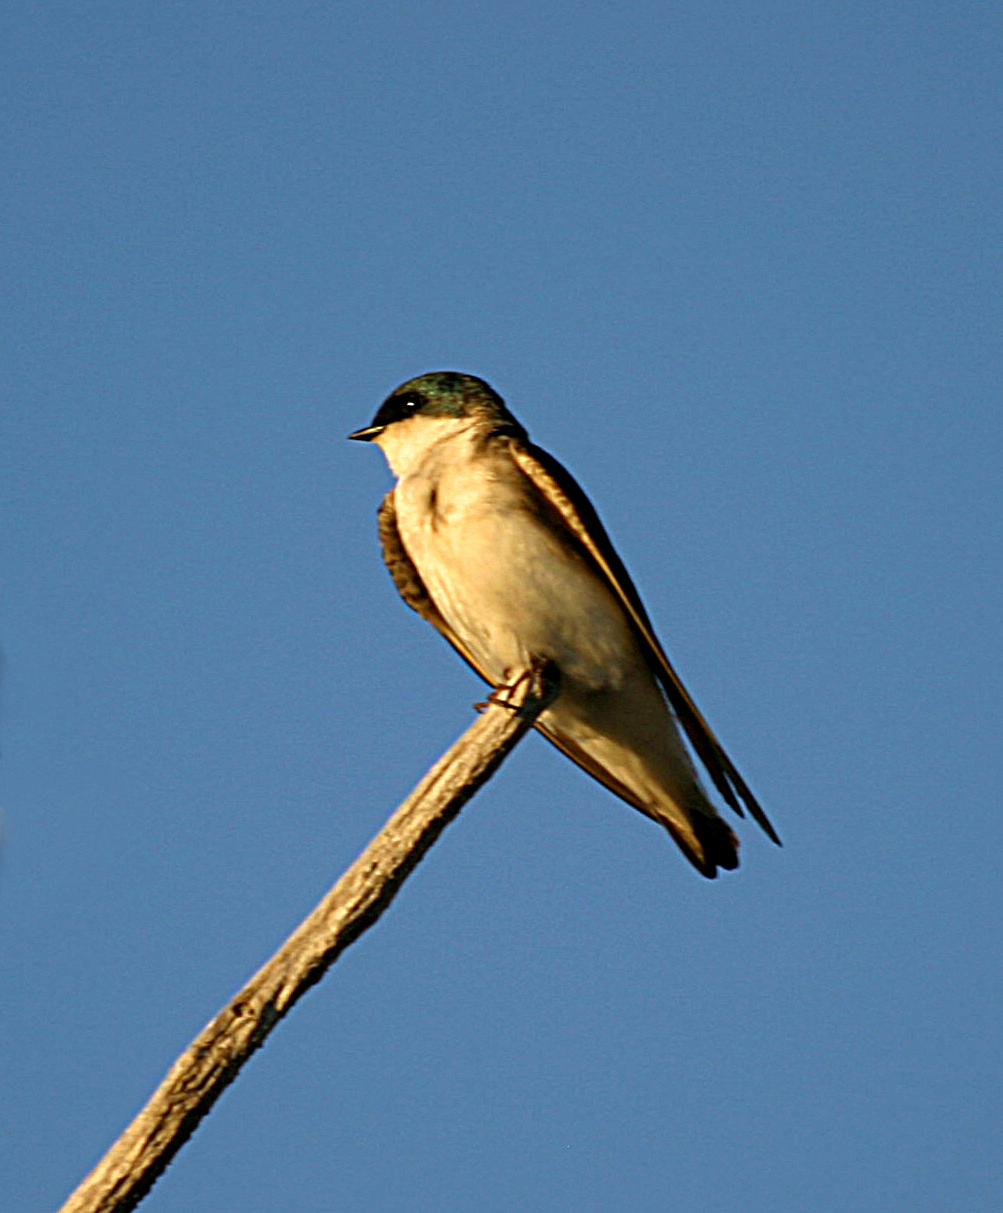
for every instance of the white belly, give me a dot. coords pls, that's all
(510, 589)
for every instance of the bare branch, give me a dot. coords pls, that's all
(212, 1060)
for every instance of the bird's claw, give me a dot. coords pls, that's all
(501, 696)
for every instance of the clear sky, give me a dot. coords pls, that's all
(738, 267)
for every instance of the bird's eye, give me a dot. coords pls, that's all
(402, 406)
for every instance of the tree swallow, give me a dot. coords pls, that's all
(488, 538)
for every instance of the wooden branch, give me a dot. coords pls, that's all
(211, 1062)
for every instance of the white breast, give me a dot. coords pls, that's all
(505, 581)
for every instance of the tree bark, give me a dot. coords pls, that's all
(211, 1062)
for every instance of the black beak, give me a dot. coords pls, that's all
(368, 434)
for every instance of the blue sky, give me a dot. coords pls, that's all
(738, 267)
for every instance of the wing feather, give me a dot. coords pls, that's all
(562, 493)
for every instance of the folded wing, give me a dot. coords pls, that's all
(561, 493)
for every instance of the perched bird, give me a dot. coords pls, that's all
(492, 541)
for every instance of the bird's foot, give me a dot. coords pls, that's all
(538, 669)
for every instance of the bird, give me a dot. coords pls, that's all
(494, 543)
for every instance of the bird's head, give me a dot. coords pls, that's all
(428, 406)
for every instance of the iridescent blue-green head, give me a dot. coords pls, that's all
(441, 394)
